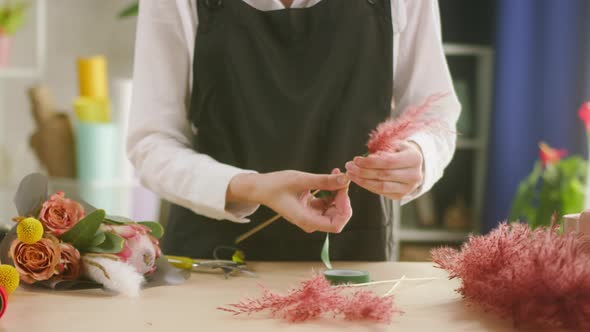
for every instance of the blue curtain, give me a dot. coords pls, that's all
(542, 75)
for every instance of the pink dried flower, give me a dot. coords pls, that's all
(59, 214)
(316, 297)
(69, 267)
(414, 118)
(537, 278)
(366, 305)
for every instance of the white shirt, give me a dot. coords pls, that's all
(160, 134)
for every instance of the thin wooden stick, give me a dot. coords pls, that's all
(395, 286)
(257, 229)
(391, 281)
(262, 225)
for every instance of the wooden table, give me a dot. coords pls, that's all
(428, 305)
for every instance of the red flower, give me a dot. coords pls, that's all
(584, 114)
(549, 155)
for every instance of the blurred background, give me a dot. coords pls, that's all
(521, 69)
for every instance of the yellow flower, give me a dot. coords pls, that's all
(9, 278)
(29, 230)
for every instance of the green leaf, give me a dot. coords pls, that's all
(129, 11)
(114, 220)
(523, 207)
(573, 176)
(326, 252)
(113, 244)
(549, 198)
(82, 234)
(12, 17)
(324, 194)
(157, 229)
(99, 238)
(572, 196)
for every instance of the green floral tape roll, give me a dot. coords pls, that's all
(346, 276)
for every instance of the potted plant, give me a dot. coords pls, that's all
(556, 185)
(12, 17)
(130, 11)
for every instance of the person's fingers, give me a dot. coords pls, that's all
(339, 209)
(405, 175)
(406, 158)
(306, 181)
(391, 189)
(329, 214)
(320, 204)
(313, 220)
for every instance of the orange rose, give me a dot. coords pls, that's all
(69, 263)
(36, 262)
(59, 214)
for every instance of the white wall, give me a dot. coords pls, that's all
(74, 28)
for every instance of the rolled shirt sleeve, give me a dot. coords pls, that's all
(160, 136)
(421, 70)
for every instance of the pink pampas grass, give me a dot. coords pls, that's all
(316, 297)
(366, 305)
(537, 278)
(388, 133)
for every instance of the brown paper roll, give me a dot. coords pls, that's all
(53, 141)
(54, 145)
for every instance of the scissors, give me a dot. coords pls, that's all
(226, 266)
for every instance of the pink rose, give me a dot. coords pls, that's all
(69, 264)
(36, 262)
(59, 214)
(141, 249)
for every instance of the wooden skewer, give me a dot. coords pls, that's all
(257, 229)
(262, 225)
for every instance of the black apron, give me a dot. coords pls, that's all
(298, 88)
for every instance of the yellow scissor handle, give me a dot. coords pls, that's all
(185, 263)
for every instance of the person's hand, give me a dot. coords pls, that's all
(289, 194)
(390, 174)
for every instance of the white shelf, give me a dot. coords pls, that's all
(123, 183)
(469, 143)
(40, 47)
(469, 50)
(431, 235)
(19, 72)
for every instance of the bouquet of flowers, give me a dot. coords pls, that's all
(63, 243)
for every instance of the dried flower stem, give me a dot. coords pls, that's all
(98, 266)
